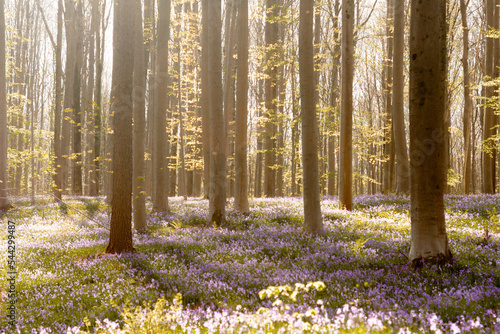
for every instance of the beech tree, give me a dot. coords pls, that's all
(120, 236)
(160, 200)
(428, 134)
(139, 183)
(217, 131)
(4, 201)
(345, 170)
(402, 165)
(311, 195)
(241, 133)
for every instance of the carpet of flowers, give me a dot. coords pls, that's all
(258, 273)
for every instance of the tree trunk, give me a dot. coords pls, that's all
(205, 97)
(489, 116)
(77, 129)
(312, 211)
(402, 165)
(345, 170)
(271, 36)
(217, 143)
(428, 134)
(333, 103)
(161, 167)
(240, 159)
(388, 142)
(139, 175)
(58, 160)
(4, 201)
(120, 236)
(467, 101)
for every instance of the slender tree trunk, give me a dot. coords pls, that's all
(312, 211)
(240, 159)
(467, 101)
(139, 136)
(428, 135)
(333, 103)
(58, 159)
(402, 165)
(489, 116)
(161, 167)
(271, 36)
(205, 97)
(4, 201)
(388, 142)
(120, 236)
(345, 181)
(96, 177)
(77, 129)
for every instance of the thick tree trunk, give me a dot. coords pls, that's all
(312, 212)
(345, 170)
(217, 143)
(139, 175)
(240, 159)
(120, 236)
(428, 134)
(161, 168)
(402, 165)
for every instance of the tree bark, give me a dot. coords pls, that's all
(240, 159)
(77, 128)
(161, 167)
(489, 162)
(402, 165)
(312, 212)
(428, 134)
(4, 201)
(271, 36)
(217, 143)
(345, 170)
(139, 135)
(333, 103)
(120, 236)
(205, 97)
(58, 160)
(467, 101)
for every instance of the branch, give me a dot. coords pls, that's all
(46, 26)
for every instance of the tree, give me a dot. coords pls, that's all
(312, 211)
(467, 101)
(217, 131)
(271, 95)
(428, 75)
(489, 161)
(205, 97)
(4, 201)
(402, 165)
(345, 170)
(241, 139)
(161, 168)
(139, 183)
(58, 175)
(120, 236)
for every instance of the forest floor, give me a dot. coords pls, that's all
(188, 276)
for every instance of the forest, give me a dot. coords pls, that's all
(249, 166)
